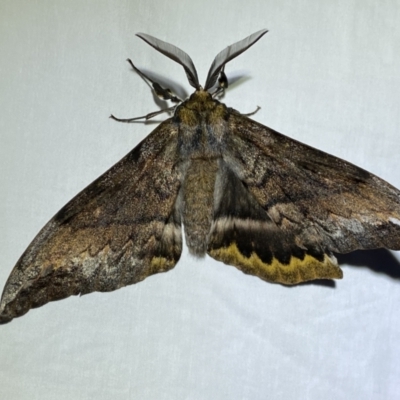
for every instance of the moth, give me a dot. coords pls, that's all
(246, 195)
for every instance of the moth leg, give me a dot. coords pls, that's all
(222, 84)
(251, 113)
(162, 93)
(146, 117)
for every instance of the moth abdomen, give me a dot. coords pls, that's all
(198, 203)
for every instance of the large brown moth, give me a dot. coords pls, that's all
(246, 195)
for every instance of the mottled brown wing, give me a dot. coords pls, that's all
(116, 232)
(292, 206)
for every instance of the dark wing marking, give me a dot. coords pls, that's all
(309, 204)
(176, 54)
(120, 229)
(228, 54)
(245, 236)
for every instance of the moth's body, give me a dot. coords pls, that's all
(245, 194)
(201, 123)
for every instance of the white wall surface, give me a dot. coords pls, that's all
(327, 74)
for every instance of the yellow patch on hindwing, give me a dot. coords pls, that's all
(296, 271)
(161, 264)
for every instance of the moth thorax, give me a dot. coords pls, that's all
(198, 203)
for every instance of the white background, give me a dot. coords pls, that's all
(327, 73)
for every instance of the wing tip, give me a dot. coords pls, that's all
(4, 317)
(5, 320)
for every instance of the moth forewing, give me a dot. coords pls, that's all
(120, 229)
(246, 195)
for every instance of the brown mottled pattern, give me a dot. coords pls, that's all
(320, 199)
(119, 230)
(247, 195)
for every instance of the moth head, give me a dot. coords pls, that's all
(216, 71)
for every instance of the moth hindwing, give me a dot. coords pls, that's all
(246, 195)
